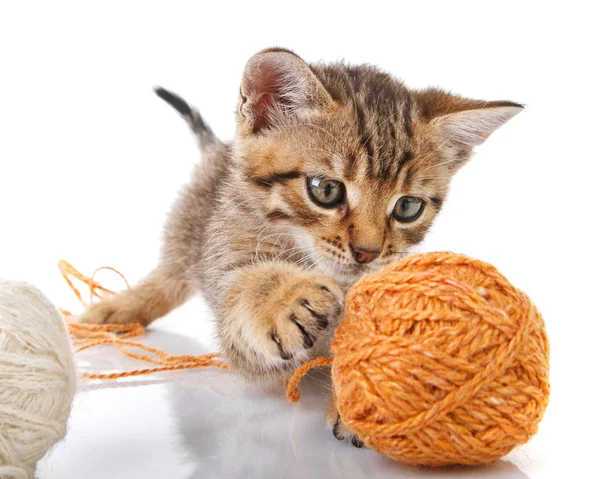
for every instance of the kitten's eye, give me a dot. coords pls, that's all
(407, 209)
(327, 193)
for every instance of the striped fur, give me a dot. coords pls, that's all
(272, 263)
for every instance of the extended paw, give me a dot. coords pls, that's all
(112, 311)
(305, 317)
(277, 316)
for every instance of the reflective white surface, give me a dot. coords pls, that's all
(211, 424)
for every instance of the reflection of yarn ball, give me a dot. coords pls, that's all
(440, 361)
(37, 378)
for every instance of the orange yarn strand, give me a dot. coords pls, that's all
(67, 270)
(90, 335)
(292, 391)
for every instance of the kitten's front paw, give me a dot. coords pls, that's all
(277, 316)
(116, 310)
(303, 318)
(339, 428)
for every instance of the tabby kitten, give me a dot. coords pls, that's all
(335, 171)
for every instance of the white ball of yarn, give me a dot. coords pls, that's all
(37, 378)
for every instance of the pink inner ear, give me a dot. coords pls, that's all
(265, 87)
(265, 95)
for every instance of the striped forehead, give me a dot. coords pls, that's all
(383, 140)
(379, 118)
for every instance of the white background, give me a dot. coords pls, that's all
(90, 161)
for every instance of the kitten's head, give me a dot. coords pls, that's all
(351, 161)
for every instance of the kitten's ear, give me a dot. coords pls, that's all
(278, 86)
(461, 122)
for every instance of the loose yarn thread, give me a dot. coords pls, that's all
(90, 335)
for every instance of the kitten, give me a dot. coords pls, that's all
(335, 171)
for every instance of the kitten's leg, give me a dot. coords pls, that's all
(338, 426)
(160, 292)
(275, 316)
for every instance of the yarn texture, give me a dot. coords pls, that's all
(440, 361)
(37, 378)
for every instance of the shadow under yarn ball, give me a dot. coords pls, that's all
(441, 361)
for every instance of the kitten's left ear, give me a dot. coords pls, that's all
(463, 123)
(278, 87)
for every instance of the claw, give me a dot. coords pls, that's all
(282, 353)
(356, 442)
(309, 341)
(322, 320)
(336, 431)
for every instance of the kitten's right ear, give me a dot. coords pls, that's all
(462, 123)
(278, 86)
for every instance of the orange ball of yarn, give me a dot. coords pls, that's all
(439, 361)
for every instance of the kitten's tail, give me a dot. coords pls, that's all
(203, 132)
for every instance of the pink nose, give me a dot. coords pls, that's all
(362, 255)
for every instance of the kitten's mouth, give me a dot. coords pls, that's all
(343, 272)
(351, 269)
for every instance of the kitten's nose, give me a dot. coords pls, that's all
(362, 255)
